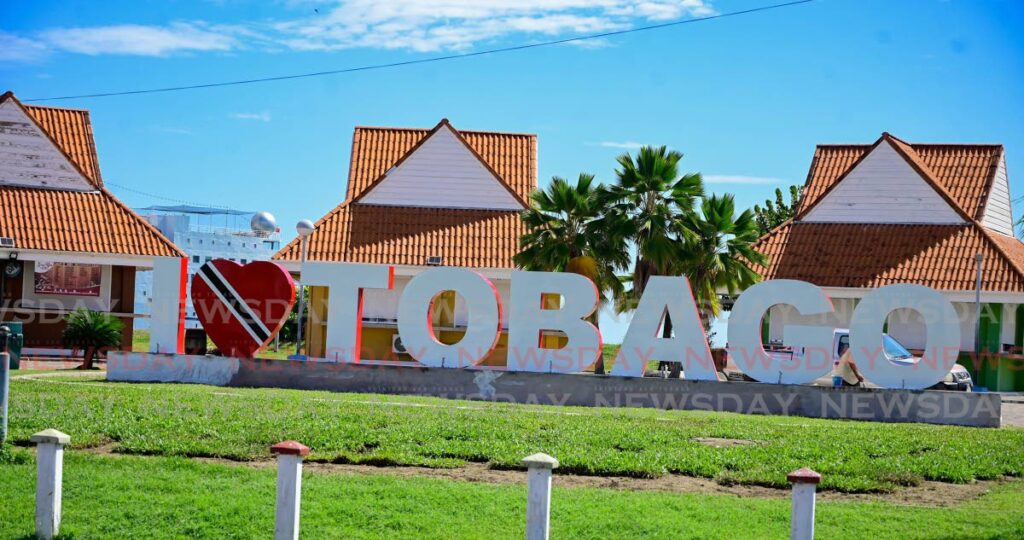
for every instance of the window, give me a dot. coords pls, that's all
(844, 343)
(243, 261)
(208, 259)
(195, 258)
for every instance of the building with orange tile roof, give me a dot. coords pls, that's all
(898, 212)
(65, 240)
(418, 198)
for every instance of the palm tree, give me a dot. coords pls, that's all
(567, 231)
(93, 331)
(652, 204)
(719, 254)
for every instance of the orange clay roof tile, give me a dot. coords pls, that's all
(356, 232)
(71, 129)
(873, 255)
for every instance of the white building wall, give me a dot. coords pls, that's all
(883, 188)
(782, 315)
(442, 173)
(998, 215)
(905, 325)
(383, 304)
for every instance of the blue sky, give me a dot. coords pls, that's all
(744, 98)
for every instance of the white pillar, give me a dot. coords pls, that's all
(49, 476)
(167, 313)
(538, 500)
(805, 483)
(289, 488)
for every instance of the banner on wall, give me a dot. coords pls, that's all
(67, 279)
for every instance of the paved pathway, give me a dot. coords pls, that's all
(1013, 411)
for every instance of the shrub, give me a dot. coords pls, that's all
(92, 331)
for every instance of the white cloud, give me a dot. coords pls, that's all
(625, 145)
(738, 179)
(258, 116)
(416, 25)
(133, 39)
(19, 49)
(173, 130)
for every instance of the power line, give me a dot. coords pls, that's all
(431, 59)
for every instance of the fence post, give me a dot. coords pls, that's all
(49, 477)
(289, 488)
(538, 500)
(805, 483)
(5, 390)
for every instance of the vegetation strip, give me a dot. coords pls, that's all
(191, 420)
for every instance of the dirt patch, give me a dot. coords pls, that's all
(928, 494)
(934, 494)
(719, 442)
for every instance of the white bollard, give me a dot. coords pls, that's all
(289, 488)
(538, 499)
(49, 477)
(805, 483)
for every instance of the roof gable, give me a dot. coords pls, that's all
(965, 171)
(355, 231)
(30, 158)
(375, 150)
(442, 171)
(887, 184)
(969, 179)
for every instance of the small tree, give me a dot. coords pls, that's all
(92, 331)
(774, 214)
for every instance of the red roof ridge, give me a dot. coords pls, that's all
(445, 120)
(58, 108)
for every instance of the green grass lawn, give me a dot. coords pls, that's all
(241, 424)
(150, 497)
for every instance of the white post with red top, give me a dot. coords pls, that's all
(805, 484)
(50, 445)
(289, 488)
(538, 497)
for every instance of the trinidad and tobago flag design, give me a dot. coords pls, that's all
(242, 307)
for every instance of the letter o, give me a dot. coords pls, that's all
(942, 329)
(483, 328)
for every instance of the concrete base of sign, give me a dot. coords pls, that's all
(932, 407)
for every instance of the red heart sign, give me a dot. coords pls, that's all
(242, 307)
